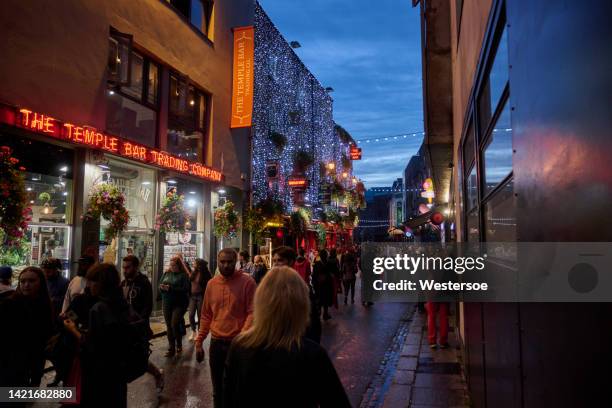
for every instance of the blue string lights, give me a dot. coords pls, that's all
(290, 101)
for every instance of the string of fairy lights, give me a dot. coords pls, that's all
(289, 101)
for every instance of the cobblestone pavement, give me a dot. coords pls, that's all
(416, 376)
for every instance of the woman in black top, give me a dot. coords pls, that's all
(103, 343)
(323, 283)
(271, 364)
(27, 319)
(199, 279)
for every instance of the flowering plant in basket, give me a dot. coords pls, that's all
(172, 216)
(226, 221)
(14, 213)
(107, 201)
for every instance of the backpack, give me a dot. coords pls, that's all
(137, 347)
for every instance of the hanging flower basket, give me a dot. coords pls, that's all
(14, 213)
(107, 201)
(172, 216)
(226, 221)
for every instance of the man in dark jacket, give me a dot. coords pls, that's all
(138, 292)
(57, 284)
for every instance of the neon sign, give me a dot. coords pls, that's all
(89, 136)
(297, 182)
(355, 153)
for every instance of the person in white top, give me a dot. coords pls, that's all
(78, 283)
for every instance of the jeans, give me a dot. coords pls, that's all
(195, 306)
(217, 356)
(173, 315)
(349, 285)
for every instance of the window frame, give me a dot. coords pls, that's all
(187, 18)
(207, 96)
(482, 133)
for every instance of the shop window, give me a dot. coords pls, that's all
(138, 185)
(473, 229)
(131, 120)
(500, 218)
(190, 243)
(198, 12)
(498, 152)
(49, 192)
(471, 187)
(495, 84)
(468, 148)
(187, 119)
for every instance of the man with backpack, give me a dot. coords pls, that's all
(138, 292)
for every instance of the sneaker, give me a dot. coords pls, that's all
(433, 346)
(159, 381)
(193, 336)
(170, 353)
(179, 349)
(444, 346)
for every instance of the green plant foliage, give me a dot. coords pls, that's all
(321, 234)
(14, 213)
(44, 197)
(107, 201)
(172, 216)
(226, 221)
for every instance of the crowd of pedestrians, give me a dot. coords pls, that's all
(264, 326)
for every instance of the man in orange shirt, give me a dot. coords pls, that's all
(227, 310)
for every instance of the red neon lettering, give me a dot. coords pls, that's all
(171, 162)
(142, 153)
(78, 134)
(37, 122)
(49, 125)
(127, 149)
(25, 118)
(99, 139)
(110, 143)
(69, 126)
(90, 136)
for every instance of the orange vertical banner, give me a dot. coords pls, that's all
(242, 87)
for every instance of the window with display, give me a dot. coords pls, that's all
(187, 119)
(49, 189)
(190, 243)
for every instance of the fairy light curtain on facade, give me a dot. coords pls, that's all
(289, 101)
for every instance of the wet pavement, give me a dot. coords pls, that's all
(356, 338)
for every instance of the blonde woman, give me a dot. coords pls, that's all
(272, 364)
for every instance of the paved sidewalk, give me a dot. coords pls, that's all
(426, 377)
(414, 376)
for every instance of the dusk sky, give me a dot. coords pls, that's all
(370, 53)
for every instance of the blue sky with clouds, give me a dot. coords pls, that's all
(370, 53)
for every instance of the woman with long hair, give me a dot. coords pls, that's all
(199, 279)
(27, 318)
(323, 283)
(104, 341)
(272, 364)
(175, 286)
